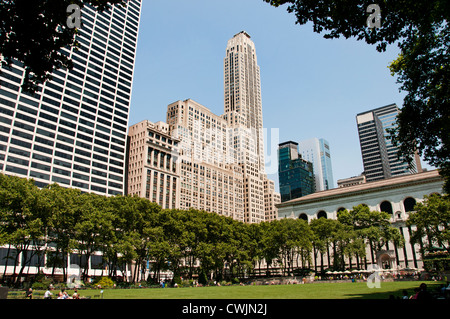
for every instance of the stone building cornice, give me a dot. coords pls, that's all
(367, 188)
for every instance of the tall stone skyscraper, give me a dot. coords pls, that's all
(243, 113)
(73, 131)
(242, 98)
(219, 158)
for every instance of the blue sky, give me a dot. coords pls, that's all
(311, 86)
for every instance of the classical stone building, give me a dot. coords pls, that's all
(351, 181)
(396, 196)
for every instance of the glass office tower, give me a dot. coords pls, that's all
(317, 151)
(73, 130)
(296, 176)
(380, 158)
(388, 117)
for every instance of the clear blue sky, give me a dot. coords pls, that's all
(311, 86)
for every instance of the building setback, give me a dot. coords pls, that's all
(73, 130)
(271, 199)
(209, 178)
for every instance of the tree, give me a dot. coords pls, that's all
(21, 218)
(135, 229)
(373, 226)
(120, 252)
(421, 30)
(61, 206)
(423, 68)
(36, 32)
(323, 230)
(287, 241)
(431, 220)
(93, 230)
(254, 243)
(342, 236)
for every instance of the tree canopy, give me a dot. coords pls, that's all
(35, 32)
(57, 222)
(431, 219)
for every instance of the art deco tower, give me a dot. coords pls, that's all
(219, 159)
(242, 99)
(243, 113)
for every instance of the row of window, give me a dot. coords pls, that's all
(65, 127)
(65, 181)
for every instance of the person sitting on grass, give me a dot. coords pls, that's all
(75, 295)
(48, 294)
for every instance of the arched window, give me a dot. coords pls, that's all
(303, 216)
(409, 204)
(322, 214)
(386, 207)
(340, 209)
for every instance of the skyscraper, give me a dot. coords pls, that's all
(73, 131)
(242, 98)
(379, 155)
(243, 113)
(271, 198)
(220, 157)
(210, 180)
(296, 175)
(317, 151)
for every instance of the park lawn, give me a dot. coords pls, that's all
(301, 291)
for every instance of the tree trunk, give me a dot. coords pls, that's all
(6, 263)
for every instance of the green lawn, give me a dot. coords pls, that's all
(306, 291)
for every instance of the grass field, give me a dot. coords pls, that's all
(300, 291)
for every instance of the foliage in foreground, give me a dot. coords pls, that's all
(56, 221)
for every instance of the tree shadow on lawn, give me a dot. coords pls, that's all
(375, 293)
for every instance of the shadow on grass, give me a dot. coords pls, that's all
(379, 293)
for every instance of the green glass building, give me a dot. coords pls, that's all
(296, 176)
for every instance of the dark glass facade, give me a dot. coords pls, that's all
(296, 176)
